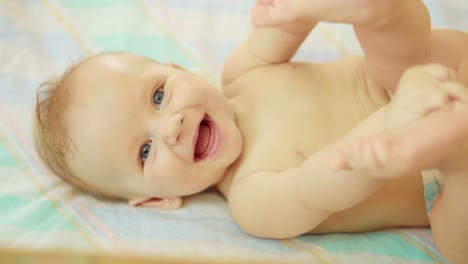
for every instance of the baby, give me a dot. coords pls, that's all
(294, 148)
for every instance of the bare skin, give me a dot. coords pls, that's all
(316, 123)
(289, 137)
(307, 122)
(299, 116)
(440, 114)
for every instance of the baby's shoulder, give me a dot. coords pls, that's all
(296, 75)
(261, 77)
(334, 70)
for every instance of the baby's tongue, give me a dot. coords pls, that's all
(203, 140)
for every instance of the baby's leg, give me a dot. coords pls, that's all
(449, 217)
(438, 138)
(422, 90)
(431, 142)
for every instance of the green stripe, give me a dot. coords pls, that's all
(31, 214)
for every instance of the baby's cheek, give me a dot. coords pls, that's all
(166, 171)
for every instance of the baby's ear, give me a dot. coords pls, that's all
(172, 203)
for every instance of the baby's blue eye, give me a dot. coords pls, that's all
(144, 152)
(158, 97)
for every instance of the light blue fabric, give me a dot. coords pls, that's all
(40, 39)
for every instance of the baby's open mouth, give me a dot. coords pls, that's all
(206, 141)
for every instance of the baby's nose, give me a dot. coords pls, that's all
(174, 128)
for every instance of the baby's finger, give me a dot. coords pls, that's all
(407, 108)
(439, 71)
(456, 90)
(433, 100)
(339, 162)
(422, 76)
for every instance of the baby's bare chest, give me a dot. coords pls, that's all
(286, 115)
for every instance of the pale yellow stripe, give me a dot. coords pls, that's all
(206, 72)
(45, 194)
(104, 229)
(316, 255)
(42, 190)
(67, 27)
(419, 246)
(329, 36)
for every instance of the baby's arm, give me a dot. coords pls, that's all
(292, 202)
(265, 46)
(410, 141)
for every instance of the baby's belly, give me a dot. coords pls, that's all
(396, 204)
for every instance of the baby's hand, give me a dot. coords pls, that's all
(379, 156)
(280, 12)
(423, 89)
(404, 144)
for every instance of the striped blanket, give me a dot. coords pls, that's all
(39, 39)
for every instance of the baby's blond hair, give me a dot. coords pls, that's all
(51, 139)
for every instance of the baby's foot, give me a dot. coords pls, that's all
(431, 132)
(423, 89)
(437, 139)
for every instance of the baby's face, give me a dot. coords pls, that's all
(139, 128)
